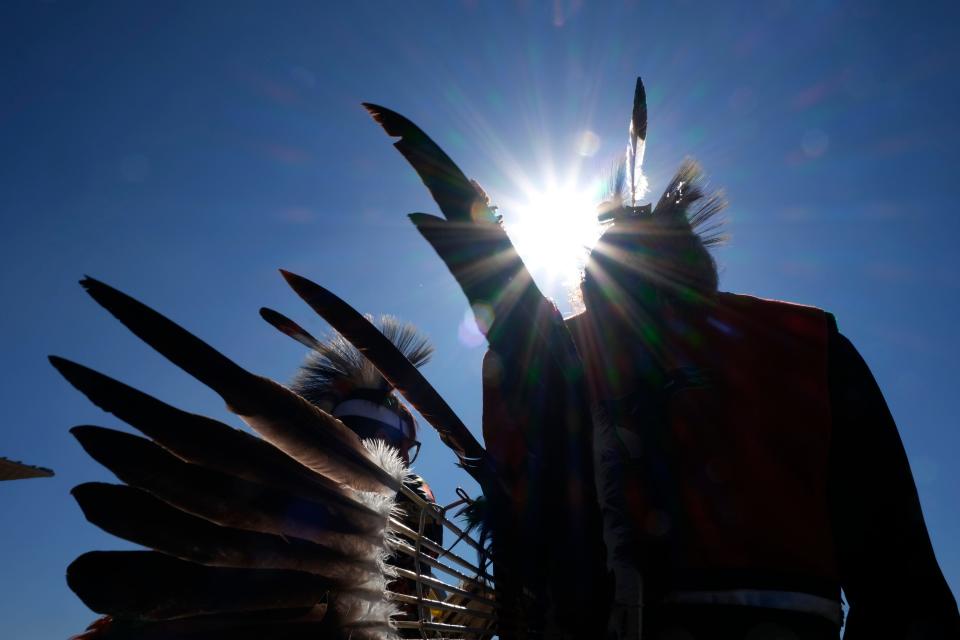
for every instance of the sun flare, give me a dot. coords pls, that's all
(553, 230)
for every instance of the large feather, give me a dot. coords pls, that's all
(154, 586)
(310, 436)
(488, 269)
(458, 197)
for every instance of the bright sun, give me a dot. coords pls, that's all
(553, 231)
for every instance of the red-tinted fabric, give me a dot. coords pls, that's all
(753, 446)
(750, 446)
(502, 435)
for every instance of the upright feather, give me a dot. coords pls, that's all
(637, 145)
(285, 325)
(460, 199)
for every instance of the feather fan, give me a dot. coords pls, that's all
(281, 537)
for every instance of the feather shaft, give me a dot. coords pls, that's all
(458, 198)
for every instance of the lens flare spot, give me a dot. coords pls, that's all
(588, 144)
(483, 315)
(469, 332)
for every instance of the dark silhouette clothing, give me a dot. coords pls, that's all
(893, 585)
(890, 576)
(754, 471)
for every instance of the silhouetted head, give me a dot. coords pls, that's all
(651, 257)
(340, 380)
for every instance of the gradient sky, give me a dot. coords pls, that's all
(183, 151)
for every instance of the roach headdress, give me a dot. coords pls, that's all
(664, 245)
(340, 379)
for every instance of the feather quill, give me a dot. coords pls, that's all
(288, 327)
(139, 517)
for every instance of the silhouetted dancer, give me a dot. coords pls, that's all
(748, 467)
(340, 380)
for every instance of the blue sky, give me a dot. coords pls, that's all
(185, 151)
